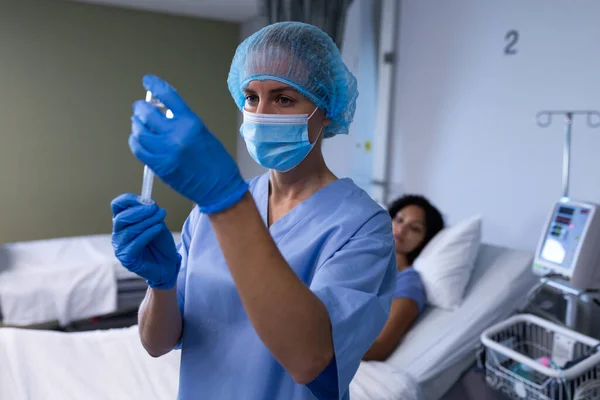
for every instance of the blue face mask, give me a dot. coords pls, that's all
(277, 141)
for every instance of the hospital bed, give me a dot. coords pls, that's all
(433, 355)
(442, 344)
(51, 283)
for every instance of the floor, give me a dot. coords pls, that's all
(472, 387)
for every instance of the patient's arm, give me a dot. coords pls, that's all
(402, 314)
(160, 321)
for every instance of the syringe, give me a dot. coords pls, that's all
(148, 179)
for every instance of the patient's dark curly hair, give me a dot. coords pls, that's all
(434, 222)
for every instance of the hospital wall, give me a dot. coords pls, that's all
(464, 123)
(69, 73)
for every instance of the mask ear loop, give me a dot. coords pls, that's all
(320, 131)
(313, 113)
(318, 136)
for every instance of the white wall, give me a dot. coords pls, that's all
(465, 125)
(352, 155)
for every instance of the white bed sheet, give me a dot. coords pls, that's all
(61, 279)
(95, 365)
(55, 280)
(378, 381)
(112, 364)
(441, 339)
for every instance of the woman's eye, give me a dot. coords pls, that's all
(416, 229)
(285, 101)
(251, 99)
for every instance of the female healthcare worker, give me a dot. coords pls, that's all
(279, 285)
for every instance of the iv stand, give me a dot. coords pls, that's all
(567, 145)
(569, 296)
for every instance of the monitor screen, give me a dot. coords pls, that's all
(564, 234)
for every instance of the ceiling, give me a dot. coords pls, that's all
(228, 10)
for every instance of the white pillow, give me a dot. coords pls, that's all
(446, 263)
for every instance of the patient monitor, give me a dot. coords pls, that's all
(570, 245)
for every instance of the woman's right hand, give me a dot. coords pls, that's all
(143, 243)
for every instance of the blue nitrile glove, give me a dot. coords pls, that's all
(183, 152)
(143, 243)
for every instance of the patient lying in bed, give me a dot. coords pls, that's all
(415, 222)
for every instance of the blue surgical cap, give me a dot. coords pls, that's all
(304, 57)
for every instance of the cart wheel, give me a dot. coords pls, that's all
(520, 389)
(492, 381)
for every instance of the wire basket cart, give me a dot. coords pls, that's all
(527, 357)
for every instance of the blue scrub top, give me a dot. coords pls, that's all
(409, 285)
(340, 244)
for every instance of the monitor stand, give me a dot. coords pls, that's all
(556, 299)
(571, 296)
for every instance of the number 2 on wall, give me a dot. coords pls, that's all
(512, 37)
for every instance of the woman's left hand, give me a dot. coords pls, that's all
(183, 152)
